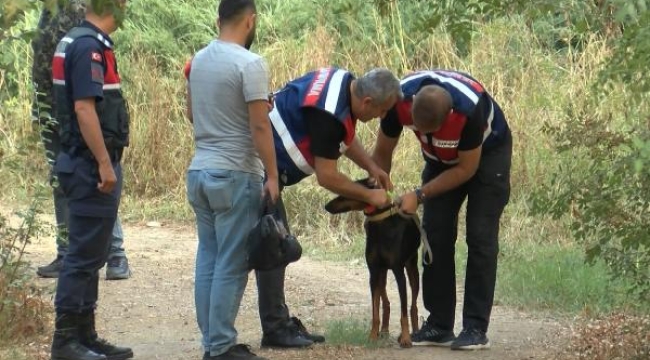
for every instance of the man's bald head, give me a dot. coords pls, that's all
(431, 106)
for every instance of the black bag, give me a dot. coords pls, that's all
(270, 244)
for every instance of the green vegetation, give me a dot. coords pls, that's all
(353, 332)
(571, 76)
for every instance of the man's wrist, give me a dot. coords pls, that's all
(273, 176)
(419, 195)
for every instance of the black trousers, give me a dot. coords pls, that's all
(487, 193)
(274, 313)
(92, 215)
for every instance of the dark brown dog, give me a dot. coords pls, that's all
(392, 242)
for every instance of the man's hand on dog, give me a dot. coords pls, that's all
(379, 198)
(377, 174)
(408, 203)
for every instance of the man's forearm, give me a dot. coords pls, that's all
(263, 141)
(188, 104)
(359, 156)
(385, 162)
(447, 180)
(382, 155)
(342, 185)
(91, 132)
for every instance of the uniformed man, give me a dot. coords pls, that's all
(314, 123)
(52, 27)
(467, 148)
(94, 128)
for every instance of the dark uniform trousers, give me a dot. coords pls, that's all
(92, 215)
(274, 313)
(487, 193)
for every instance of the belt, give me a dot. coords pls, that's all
(115, 154)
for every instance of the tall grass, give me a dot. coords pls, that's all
(555, 277)
(535, 87)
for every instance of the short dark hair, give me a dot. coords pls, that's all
(431, 105)
(232, 10)
(99, 7)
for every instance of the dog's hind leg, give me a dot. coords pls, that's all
(385, 305)
(405, 336)
(414, 280)
(375, 291)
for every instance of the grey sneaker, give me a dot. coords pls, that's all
(117, 268)
(429, 335)
(471, 339)
(52, 269)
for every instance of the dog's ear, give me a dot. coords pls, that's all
(340, 205)
(370, 184)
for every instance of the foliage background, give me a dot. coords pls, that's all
(571, 76)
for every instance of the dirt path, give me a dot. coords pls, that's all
(154, 313)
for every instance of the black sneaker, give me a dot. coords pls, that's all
(429, 335)
(471, 339)
(303, 331)
(117, 268)
(52, 269)
(236, 352)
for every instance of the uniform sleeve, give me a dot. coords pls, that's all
(472, 135)
(256, 80)
(390, 124)
(84, 63)
(325, 131)
(188, 68)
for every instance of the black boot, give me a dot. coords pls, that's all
(66, 344)
(306, 334)
(288, 336)
(88, 337)
(52, 269)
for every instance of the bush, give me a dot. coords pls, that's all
(612, 338)
(602, 182)
(23, 311)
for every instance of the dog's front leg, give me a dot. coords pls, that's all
(375, 291)
(414, 280)
(405, 336)
(385, 306)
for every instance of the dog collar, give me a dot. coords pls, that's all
(393, 210)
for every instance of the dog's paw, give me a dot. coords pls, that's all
(374, 336)
(384, 334)
(405, 341)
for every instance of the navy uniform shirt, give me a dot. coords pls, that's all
(84, 66)
(83, 69)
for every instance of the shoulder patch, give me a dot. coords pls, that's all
(95, 56)
(97, 72)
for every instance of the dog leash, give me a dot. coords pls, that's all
(426, 247)
(394, 210)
